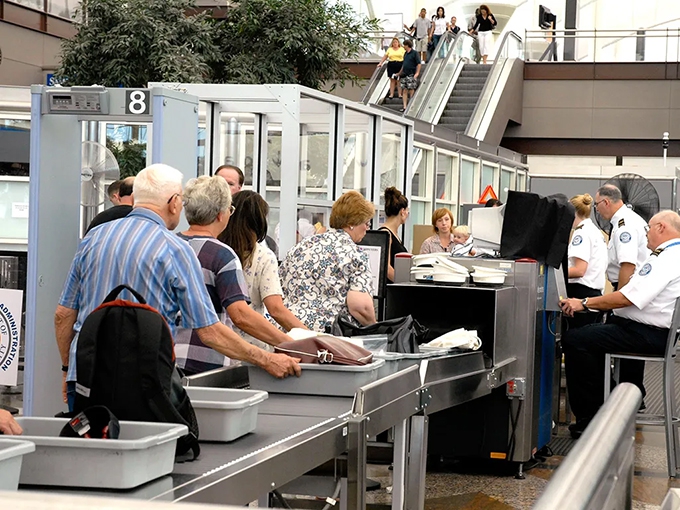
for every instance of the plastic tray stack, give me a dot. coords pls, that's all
(143, 452)
(12, 452)
(328, 380)
(225, 414)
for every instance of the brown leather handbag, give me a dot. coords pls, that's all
(324, 349)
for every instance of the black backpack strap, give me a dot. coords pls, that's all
(87, 358)
(114, 294)
(159, 402)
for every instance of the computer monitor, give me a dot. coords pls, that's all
(486, 226)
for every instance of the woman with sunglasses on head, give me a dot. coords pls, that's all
(244, 233)
(326, 274)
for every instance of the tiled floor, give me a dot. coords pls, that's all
(485, 491)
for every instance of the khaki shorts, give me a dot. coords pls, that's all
(420, 44)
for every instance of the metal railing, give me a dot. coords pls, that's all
(634, 45)
(61, 8)
(598, 472)
(379, 82)
(511, 47)
(440, 77)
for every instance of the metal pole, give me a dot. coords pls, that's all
(356, 463)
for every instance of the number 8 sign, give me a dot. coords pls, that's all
(137, 102)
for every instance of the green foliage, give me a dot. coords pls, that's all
(290, 41)
(134, 42)
(131, 156)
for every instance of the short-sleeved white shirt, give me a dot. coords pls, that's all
(627, 242)
(588, 244)
(439, 26)
(262, 278)
(654, 287)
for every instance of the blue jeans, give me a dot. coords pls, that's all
(71, 394)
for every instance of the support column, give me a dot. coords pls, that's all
(415, 481)
(570, 19)
(356, 464)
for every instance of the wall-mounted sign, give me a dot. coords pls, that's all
(10, 326)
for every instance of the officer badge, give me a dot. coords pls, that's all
(622, 222)
(576, 241)
(625, 237)
(646, 269)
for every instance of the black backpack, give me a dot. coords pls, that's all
(126, 361)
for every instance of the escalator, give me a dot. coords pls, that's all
(473, 99)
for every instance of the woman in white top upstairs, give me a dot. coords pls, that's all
(439, 28)
(587, 260)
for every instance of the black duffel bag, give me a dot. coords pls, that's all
(403, 333)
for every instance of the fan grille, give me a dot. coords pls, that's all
(638, 193)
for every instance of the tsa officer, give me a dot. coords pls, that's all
(587, 260)
(627, 247)
(643, 310)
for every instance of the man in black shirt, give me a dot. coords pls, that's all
(124, 207)
(410, 70)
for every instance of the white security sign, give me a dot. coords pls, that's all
(10, 326)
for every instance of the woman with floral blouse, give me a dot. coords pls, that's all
(326, 274)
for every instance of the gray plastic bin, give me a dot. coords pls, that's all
(225, 414)
(143, 452)
(333, 380)
(12, 452)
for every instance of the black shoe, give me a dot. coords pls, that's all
(576, 429)
(643, 407)
(402, 110)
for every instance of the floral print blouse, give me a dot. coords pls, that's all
(318, 273)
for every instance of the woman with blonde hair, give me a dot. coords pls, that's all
(326, 274)
(587, 260)
(395, 58)
(442, 240)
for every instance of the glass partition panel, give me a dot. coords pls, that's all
(490, 176)
(507, 183)
(392, 157)
(202, 161)
(469, 182)
(128, 143)
(312, 220)
(14, 208)
(62, 8)
(15, 141)
(237, 135)
(273, 226)
(356, 151)
(421, 186)
(316, 117)
(446, 182)
(521, 181)
(35, 4)
(273, 169)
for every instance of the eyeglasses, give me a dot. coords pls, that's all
(595, 204)
(232, 209)
(649, 227)
(173, 196)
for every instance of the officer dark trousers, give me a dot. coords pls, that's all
(576, 290)
(584, 353)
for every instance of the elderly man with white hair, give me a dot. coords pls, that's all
(643, 310)
(140, 251)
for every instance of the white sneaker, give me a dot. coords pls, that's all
(422, 61)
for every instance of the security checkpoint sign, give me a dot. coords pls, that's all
(10, 326)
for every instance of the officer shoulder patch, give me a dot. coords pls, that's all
(625, 237)
(576, 240)
(646, 269)
(622, 222)
(657, 251)
(579, 227)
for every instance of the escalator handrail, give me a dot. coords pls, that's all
(377, 73)
(429, 84)
(488, 85)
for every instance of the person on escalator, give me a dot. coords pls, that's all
(420, 29)
(439, 28)
(395, 57)
(453, 28)
(408, 75)
(484, 26)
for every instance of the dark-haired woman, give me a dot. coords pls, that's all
(396, 213)
(244, 233)
(484, 28)
(439, 28)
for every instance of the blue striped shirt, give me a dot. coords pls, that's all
(141, 252)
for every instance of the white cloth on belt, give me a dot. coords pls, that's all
(461, 338)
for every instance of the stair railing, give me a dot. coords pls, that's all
(430, 98)
(511, 47)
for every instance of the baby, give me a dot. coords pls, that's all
(463, 242)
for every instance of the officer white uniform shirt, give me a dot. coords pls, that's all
(588, 244)
(627, 242)
(654, 287)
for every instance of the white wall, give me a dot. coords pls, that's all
(601, 165)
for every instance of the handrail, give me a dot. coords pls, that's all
(427, 91)
(488, 85)
(598, 472)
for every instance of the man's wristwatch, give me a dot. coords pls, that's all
(64, 368)
(584, 302)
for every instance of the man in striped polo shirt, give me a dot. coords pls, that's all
(141, 251)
